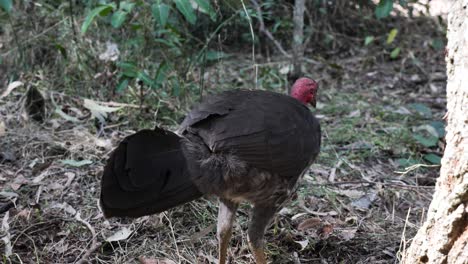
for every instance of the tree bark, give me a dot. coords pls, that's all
(298, 38)
(443, 238)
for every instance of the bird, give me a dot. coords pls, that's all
(243, 146)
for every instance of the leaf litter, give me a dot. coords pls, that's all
(348, 212)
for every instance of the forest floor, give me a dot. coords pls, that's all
(361, 202)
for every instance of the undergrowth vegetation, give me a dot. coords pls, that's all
(108, 68)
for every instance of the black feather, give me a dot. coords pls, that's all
(146, 174)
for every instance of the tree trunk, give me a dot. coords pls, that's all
(444, 236)
(298, 35)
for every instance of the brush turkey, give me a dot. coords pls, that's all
(240, 145)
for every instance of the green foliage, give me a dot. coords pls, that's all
(395, 52)
(168, 33)
(422, 109)
(391, 36)
(186, 9)
(100, 10)
(439, 128)
(160, 12)
(433, 158)
(427, 141)
(368, 40)
(120, 15)
(384, 8)
(407, 162)
(76, 163)
(205, 7)
(6, 5)
(437, 44)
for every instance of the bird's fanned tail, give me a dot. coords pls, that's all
(146, 174)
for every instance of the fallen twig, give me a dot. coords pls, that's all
(6, 238)
(414, 167)
(94, 244)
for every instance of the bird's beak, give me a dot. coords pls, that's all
(313, 102)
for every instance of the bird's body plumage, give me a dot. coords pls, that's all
(239, 145)
(264, 141)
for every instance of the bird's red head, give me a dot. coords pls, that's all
(305, 90)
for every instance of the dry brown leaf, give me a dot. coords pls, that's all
(296, 216)
(64, 206)
(201, 233)
(103, 143)
(365, 201)
(303, 243)
(309, 223)
(61, 247)
(40, 177)
(112, 52)
(144, 260)
(353, 194)
(18, 182)
(347, 234)
(24, 213)
(325, 231)
(70, 177)
(121, 234)
(54, 186)
(10, 88)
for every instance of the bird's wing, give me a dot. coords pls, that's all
(266, 130)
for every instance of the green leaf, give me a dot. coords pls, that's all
(62, 50)
(146, 79)
(165, 42)
(437, 44)
(384, 8)
(129, 69)
(6, 5)
(186, 9)
(175, 87)
(439, 127)
(161, 73)
(100, 10)
(368, 40)
(433, 158)
(422, 109)
(429, 129)
(126, 6)
(392, 35)
(395, 53)
(429, 141)
(160, 13)
(205, 7)
(122, 85)
(118, 18)
(212, 55)
(76, 163)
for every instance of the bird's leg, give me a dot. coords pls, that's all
(261, 217)
(226, 216)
